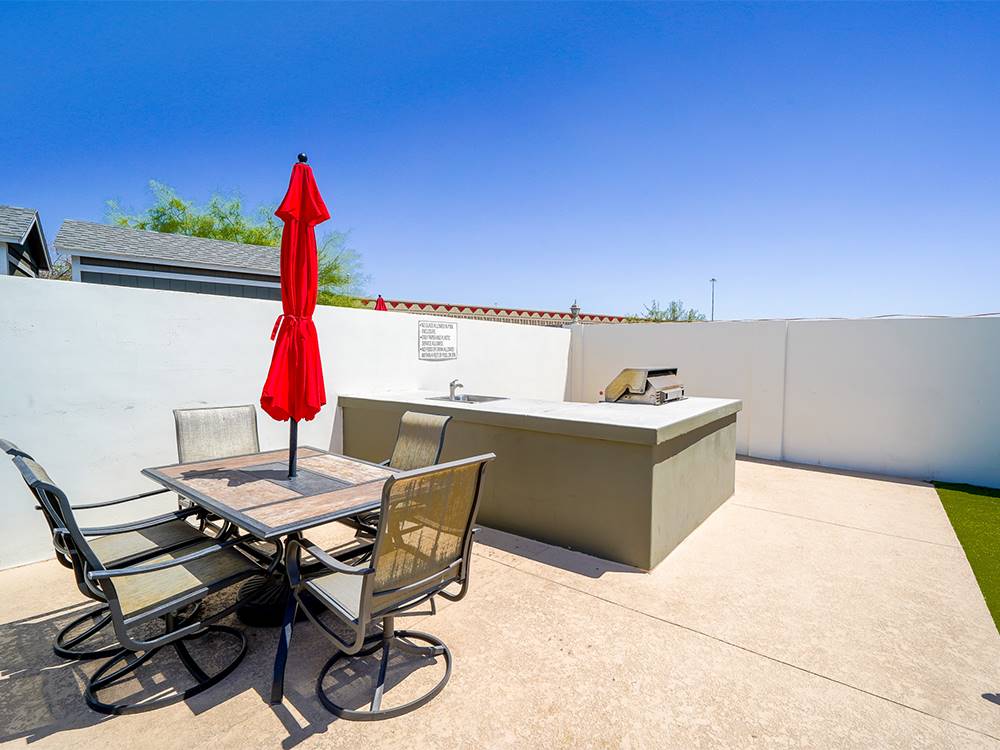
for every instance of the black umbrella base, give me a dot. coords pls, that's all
(263, 602)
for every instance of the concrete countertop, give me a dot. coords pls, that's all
(627, 423)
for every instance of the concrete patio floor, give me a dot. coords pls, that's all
(814, 609)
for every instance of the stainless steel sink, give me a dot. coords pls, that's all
(467, 398)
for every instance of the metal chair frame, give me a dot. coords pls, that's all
(361, 645)
(366, 524)
(178, 626)
(72, 646)
(208, 520)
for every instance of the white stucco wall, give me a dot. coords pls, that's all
(89, 375)
(728, 360)
(910, 397)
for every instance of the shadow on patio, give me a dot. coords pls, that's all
(42, 694)
(839, 608)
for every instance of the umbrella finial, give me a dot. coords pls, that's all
(303, 158)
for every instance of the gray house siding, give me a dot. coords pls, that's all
(181, 285)
(120, 256)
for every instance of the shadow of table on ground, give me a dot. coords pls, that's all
(43, 695)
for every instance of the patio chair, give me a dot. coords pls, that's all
(216, 432)
(211, 432)
(119, 545)
(423, 545)
(419, 442)
(205, 433)
(163, 587)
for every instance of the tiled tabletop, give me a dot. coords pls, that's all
(254, 492)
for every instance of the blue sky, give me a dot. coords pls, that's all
(818, 160)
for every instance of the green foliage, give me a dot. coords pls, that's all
(224, 218)
(62, 268)
(340, 272)
(974, 513)
(675, 312)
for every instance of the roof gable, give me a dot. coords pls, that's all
(15, 223)
(20, 226)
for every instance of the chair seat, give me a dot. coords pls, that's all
(339, 589)
(137, 593)
(115, 549)
(344, 591)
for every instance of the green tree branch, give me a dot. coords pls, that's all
(675, 312)
(223, 217)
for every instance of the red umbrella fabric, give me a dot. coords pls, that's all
(294, 387)
(380, 304)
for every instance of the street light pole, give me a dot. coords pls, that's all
(713, 297)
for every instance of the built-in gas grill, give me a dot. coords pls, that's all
(644, 385)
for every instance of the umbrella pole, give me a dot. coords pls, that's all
(293, 447)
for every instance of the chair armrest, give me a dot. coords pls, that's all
(140, 569)
(145, 523)
(328, 560)
(120, 500)
(59, 536)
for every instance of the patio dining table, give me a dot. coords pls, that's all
(254, 493)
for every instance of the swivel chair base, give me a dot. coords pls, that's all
(108, 675)
(400, 639)
(69, 644)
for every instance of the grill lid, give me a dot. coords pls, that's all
(648, 385)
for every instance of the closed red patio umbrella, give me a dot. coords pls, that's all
(294, 388)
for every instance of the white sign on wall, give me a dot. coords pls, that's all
(437, 339)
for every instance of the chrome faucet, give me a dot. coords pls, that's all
(453, 386)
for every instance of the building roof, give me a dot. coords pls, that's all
(21, 226)
(15, 223)
(491, 311)
(89, 238)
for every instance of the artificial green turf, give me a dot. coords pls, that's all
(974, 513)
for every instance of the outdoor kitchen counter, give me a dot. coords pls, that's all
(628, 423)
(625, 482)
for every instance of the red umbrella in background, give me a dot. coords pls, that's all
(380, 304)
(294, 387)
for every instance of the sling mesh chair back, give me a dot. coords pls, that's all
(419, 443)
(212, 432)
(216, 432)
(164, 588)
(53, 523)
(423, 545)
(118, 545)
